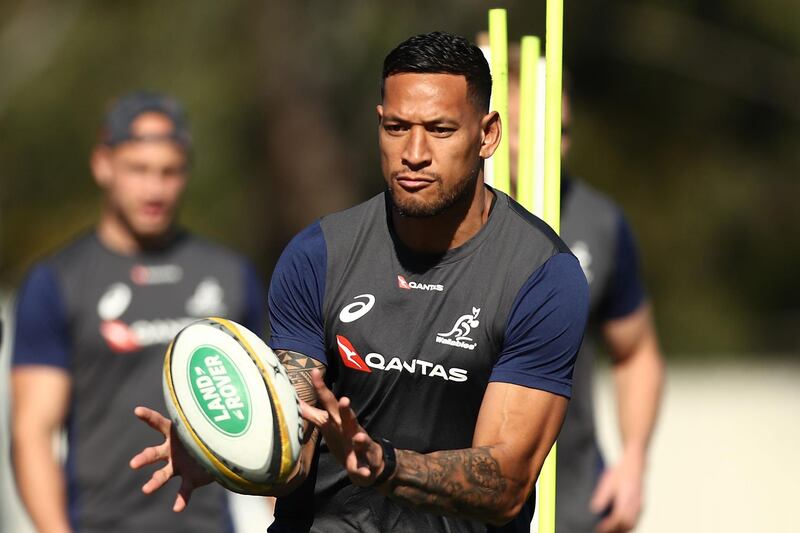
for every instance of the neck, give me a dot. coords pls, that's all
(118, 236)
(449, 229)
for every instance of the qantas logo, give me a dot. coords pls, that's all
(124, 338)
(354, 311)
(409, 285)
(350, 357)
(156, 274)
(376, 361)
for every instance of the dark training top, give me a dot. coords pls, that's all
(597, 233)
(414, 340)
(107, 319)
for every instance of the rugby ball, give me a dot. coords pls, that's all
(232, 404)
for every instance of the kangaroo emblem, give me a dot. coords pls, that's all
(463, 326)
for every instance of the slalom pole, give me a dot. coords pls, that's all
(498, 45)
(554, 41)
(528, 86)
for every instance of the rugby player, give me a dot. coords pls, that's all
(590, 496)
(437, 400)
(94, 319)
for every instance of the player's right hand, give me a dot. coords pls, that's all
(179, 462)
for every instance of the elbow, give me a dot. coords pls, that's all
(508, 509)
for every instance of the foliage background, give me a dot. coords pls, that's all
(687, 112)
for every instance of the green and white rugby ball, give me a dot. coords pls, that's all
(232, 404)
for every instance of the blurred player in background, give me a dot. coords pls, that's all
(591, 497)
(93, 321)
(449, 346)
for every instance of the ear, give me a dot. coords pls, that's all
(100, 163)
(491, 132)
(379, 111)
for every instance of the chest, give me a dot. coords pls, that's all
(441, 326)
(127, 308)
(593, 242)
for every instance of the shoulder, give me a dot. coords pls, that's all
(209, 250)
(309, 244)
(353, 215)
(531, 226)
(585, 206)
(72, 254)
(588, 195)
(305, 258)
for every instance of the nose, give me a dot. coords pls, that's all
(416, 153)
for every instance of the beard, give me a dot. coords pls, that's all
(444, 199)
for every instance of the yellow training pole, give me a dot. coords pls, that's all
(552, 210)
(529, 59)
(498, 44)
(552, 135)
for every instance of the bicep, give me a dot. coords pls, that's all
(627, 335)
(520, 424)
(40, 397)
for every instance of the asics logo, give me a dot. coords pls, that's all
(359, 308)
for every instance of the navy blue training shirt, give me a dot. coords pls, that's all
(413, 340)
(106, 320)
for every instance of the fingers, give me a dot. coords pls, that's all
(184, 494)
(350, 425)
(154, 419)
(150, 455)
(359, 468)
(157, 480)
(325, 397)
(624, 513)
(603, 493)
(315, 416)
(614, 524)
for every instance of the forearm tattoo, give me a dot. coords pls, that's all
(299, 368)
(462, 482)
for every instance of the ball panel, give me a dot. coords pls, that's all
(195, 446)
(207, 359)
(245, 426)
(284, 400)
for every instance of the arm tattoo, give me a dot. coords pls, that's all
(462, 482)
(299, 368)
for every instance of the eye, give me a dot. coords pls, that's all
(395, 128)
(441, 131)
(136, 168)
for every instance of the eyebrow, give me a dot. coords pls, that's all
(430, 122)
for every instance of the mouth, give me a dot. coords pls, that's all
(412, 182)
(154, 210)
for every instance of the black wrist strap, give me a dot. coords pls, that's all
(389, 463)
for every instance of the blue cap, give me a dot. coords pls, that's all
(124, 111)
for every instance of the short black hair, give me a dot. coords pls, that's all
(442, 53)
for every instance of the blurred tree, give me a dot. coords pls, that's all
(685, 111)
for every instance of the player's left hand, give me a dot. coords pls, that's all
(177, 459)
(620, 490)
(360, 455)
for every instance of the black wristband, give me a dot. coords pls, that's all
(389, 463)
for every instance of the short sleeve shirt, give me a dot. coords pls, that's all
(413, 340)
(106, 319)
(597, 232)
